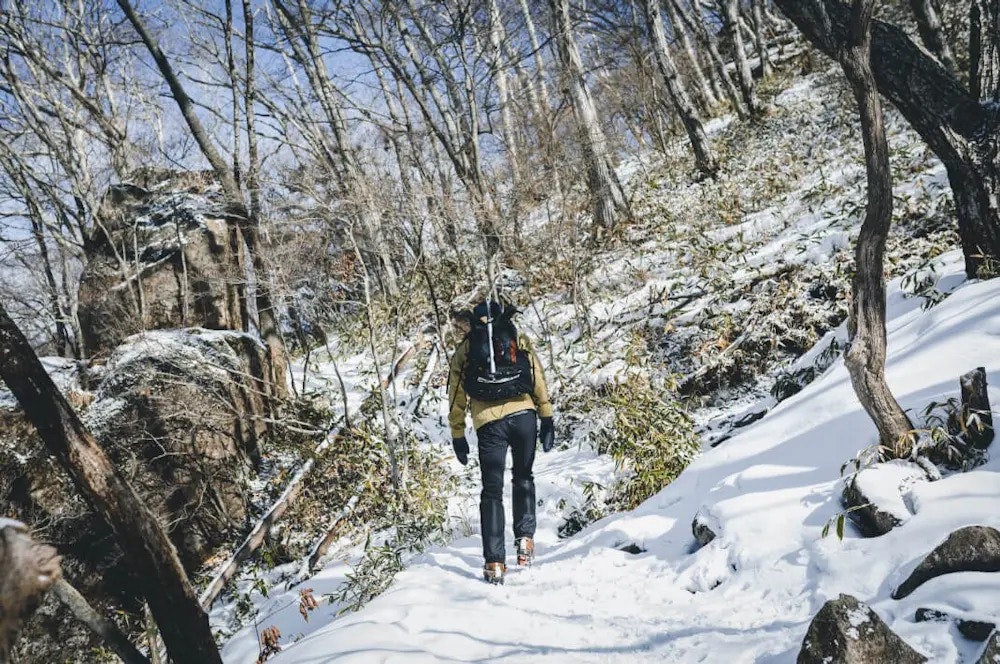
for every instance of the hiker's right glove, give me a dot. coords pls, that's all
(461, 449)
(547, 434)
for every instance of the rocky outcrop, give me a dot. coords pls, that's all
(969, 549)
(161, 258)
(846, 631)
(182, 413)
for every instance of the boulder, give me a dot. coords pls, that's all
(846, 631)
(703, 534)
(162, 258)
(182, 413)
(873, 497)
(974, 630)
(969, 549)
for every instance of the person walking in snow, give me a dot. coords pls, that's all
(495, 372)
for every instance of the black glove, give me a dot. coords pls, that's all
(547, 434)
(461, 446)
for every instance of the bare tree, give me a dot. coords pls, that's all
(692, 19)
(731, 13)
(607, 195)
(143, 539)
(703, 158)
(960, 130)
(866, 352)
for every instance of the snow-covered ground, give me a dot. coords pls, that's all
(767, 492)
(749, 594)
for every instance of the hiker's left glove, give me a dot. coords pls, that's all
(547, 434)
(461, 446)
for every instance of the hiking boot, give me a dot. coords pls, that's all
(525, 547)
(494, 573)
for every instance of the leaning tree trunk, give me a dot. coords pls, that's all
(961, 131)
(703, 158)
(148, 550)
(606, 191)
(866, 353)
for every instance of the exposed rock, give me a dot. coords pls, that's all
(873, 497)
(969, 549)
(702, 533)
(974, 630)
(181, 413)
(846, 631)
(160, 259)
(991, 654)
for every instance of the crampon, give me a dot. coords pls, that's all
(494, 573)
(525, 547)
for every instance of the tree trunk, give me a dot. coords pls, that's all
(866, 352)
(607, 195)
(932, 33)
(961, 131)
(757, 14)
(27, 570)
(140, 535)
(694, 22)
(704, 160)
(984, 50)
(730, 10)
(705, 90)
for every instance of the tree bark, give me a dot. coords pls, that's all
(932, 33)
(607, 195)
(730, 9)
(703, 158)
(144, 541)
(866, 352)
(984, 50)
(757, 14)
(694, 22)
(961, 131)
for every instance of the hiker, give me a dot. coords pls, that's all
(503, 383)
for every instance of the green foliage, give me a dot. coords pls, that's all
(592, 509)
(651, 435)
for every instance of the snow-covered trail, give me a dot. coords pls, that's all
(748, 595)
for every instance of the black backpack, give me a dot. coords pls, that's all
(513, 376)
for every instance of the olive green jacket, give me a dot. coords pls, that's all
(484, 412)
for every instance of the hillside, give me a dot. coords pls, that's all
(729, 295)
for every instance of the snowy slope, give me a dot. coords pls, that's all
(749, 594)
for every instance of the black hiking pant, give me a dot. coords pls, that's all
(518, 432)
